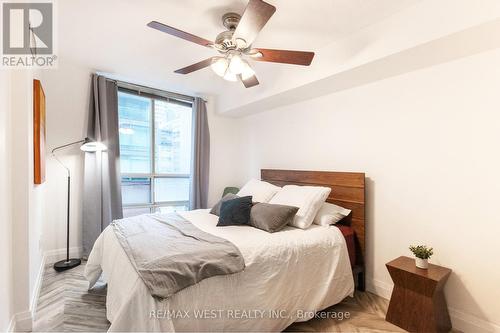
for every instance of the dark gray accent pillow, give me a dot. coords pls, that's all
(216, 208)
(271, 217)
(235, 211)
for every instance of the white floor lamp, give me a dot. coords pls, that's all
(87, 145)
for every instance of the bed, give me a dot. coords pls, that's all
(289, 275)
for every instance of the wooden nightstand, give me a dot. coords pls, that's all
(417, 302)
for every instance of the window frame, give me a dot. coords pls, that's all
(153, 205)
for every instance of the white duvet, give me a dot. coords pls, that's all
(288, 274)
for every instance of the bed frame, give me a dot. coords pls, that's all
(348, 190)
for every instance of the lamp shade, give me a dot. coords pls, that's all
(93, 146)
(219, 65)
(237, 65)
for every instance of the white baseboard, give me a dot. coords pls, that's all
(460, 320)
(380, 288)
(12, 324)
(469, 323)
(52, 256)
(37, 287)
(23, 322)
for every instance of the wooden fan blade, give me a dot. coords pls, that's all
(283, 56)
(254, 18)
(179, 33)
(195, 67)
(250, 82)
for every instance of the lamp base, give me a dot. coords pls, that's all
(64, 264)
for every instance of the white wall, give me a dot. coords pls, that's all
(20, 196)
(36, 193)
(6, 283)
(22, 212)
(67, 91)
(428, 143)
(225, 152)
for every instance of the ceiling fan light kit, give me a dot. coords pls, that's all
(219, 65)
(230, 77)
(235, 44)
(230, 66)
(237, 64)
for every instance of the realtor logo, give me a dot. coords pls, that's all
(28, 34)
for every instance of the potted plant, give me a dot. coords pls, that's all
(422, 254)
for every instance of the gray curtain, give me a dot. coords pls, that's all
(201, 155)
(102, 201)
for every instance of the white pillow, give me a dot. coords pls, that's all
(330, 214)
(308, 198)
(259, 190)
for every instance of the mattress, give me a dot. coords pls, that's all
(287, 274)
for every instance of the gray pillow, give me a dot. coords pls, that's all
(270, 217)
(216, 208)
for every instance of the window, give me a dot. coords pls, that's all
(155, 153)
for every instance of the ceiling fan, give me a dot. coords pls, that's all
(235, 44)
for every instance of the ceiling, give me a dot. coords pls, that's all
(111, 36)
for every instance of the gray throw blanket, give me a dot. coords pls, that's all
(169, 253)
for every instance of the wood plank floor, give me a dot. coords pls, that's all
(65, 305)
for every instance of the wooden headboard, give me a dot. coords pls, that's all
(348, 190)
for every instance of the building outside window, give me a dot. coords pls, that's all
(155, 153)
